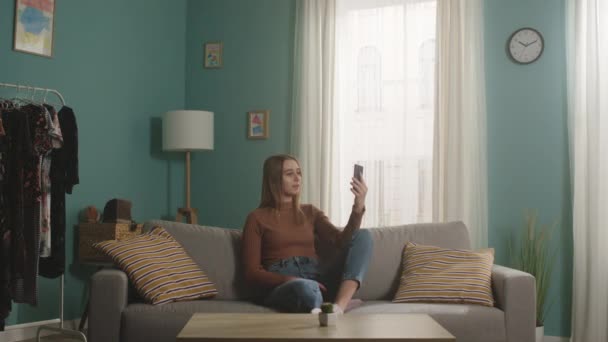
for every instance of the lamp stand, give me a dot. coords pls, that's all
(190, 214)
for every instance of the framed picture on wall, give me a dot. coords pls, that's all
(34, 26)
(213, 55)
(257, 124)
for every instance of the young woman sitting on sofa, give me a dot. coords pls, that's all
(279, 244)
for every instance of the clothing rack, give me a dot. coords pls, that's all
(61, 330)
(34, 90)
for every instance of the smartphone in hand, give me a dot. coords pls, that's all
(358, 172)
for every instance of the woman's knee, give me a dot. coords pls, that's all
(308, 293)
(363, 237)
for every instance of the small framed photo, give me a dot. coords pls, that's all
(34, 26)
(257, 124)
(213, 55)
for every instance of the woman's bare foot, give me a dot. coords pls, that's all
(353, 304)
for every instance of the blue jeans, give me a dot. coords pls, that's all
(303, 294)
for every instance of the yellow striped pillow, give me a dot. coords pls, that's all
(440, 275)
(159, 268)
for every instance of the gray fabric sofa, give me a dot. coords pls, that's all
(114, 316)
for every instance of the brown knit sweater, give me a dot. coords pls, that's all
(269, 236)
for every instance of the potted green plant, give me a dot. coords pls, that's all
(533, 254)
(327, 317)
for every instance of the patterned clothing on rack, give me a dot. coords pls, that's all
(55, 139)
(24, 285)
(36, 171)
(17, 148)
(5, 233)
(64, 175)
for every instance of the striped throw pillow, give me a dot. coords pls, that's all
(441, 275)
(159, 268)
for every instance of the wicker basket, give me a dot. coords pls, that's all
(90, 233)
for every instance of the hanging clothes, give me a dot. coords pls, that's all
(26, 249)
(56, 140)
(5, 233)
(64, 175)
(38, 166)
(18, 149)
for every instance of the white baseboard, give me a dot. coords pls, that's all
(556, 339)
(20, 332)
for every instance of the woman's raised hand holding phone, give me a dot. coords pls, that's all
(358, 188)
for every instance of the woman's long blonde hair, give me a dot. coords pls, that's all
(272, 184)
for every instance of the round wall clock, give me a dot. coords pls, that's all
(525, 45)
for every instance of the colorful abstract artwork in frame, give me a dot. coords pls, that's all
(213, 55)
(257, 124)
(34, 23)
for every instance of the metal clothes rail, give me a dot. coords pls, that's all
(31, 91)
(34, 90)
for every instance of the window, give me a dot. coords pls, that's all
(369, 83)
(427, 73)
(384, 104)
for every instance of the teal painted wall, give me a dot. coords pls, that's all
(120, 65)
(527, 139)
(258, 45)
(135, 67)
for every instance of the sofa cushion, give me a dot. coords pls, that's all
(465, 322)
(434, 274)
(194, 306)
(384, 270)
(215, 250)
(159, 268)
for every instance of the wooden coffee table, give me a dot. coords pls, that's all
(278, 327)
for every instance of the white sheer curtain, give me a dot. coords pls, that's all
(459, 163)
(588, 129)
(313, 124)
(385, 52)
(365, 93)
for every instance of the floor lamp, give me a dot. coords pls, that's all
(187, 131)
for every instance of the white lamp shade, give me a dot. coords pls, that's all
(187, 130)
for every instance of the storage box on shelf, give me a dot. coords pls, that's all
(90, 233)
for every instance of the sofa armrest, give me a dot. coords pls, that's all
(109, 291)
(515, 294)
